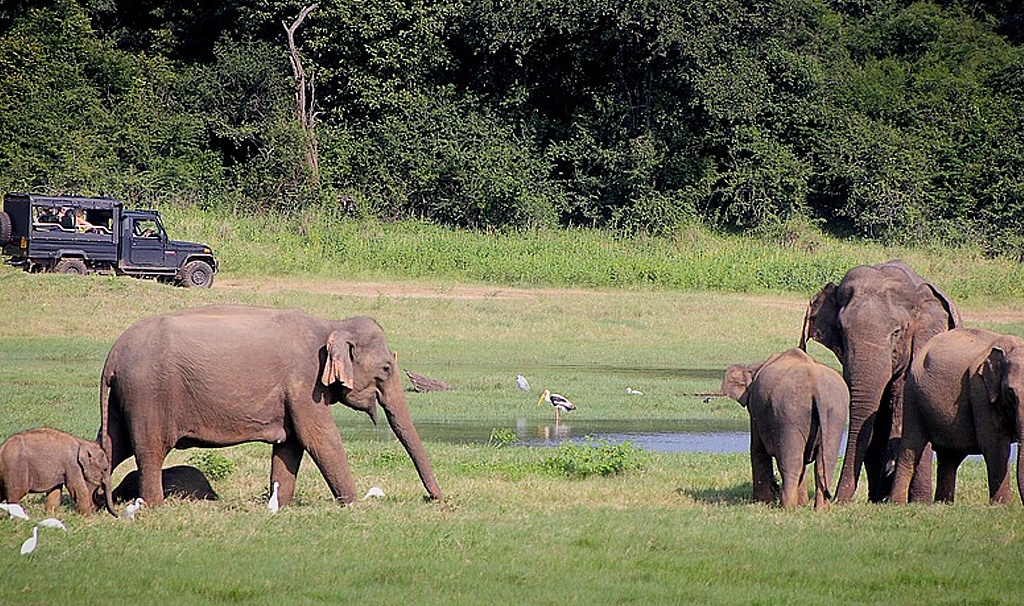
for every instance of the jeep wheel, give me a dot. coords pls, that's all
(71, 266)
(5, 228)
(197, 274)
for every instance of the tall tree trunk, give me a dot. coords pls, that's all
(305, 106)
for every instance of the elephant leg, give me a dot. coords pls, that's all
(876, 465)
(921, 481)
(761, 469)
(53, 500)
(150, 462)
(794, 478)
(320, 437)
(997, 461)
(284, 467)
(947, 463)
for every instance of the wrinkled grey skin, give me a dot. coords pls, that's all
(963, 394)
(219, 376)
(183, 481)
(797, 415)
(875, 320)
(44, 460)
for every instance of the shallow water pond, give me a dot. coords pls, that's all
(664, 435)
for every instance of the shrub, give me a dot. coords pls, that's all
(594, 458)
(214, 466)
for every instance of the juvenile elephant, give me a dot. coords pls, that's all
(219, 376)
(963, 394)
(797, 413)
(44, 460)
(875, 320)
(182, 481)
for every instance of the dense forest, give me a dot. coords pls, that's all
(883, 119)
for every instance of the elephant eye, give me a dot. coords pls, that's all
(387, 370)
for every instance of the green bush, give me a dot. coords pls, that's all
(594, 458)
(214, 466)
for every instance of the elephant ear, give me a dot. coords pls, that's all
(821, 322)
(93, 462)
(737, 378)
(338, 364)
(992, 370)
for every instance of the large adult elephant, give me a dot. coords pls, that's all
(875, 320)
(219, 376)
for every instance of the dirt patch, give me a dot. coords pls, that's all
(395, 289)
(414, 290)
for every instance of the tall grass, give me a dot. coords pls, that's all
(318, 242)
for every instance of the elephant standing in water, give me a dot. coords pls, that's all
(963, 394)
(797, 415)
(875, 321)
(219, 376)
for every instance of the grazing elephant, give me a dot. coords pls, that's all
(875, 321)
(182, 481)
(963, 394)
(219, 376)
(45, 460)
(797, 415)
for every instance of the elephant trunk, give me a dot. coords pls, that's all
(866, 391)
(108, 495)
(396, 409)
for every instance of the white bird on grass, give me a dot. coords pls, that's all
(132, 508)
(30, 543)
(52, 523)
(558, 401)
(273, 504)
(374, 492)
(522, 383)
(14, 510)
(634, 392)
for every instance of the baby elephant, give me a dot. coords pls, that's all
(964, 394)
(182, 481)
(44, 460)
(798, 411)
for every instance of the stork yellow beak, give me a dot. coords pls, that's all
(542, 396)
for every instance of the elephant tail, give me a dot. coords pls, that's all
(823, 462)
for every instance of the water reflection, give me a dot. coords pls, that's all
(664, 435)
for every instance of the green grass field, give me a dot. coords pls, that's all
(671, 528)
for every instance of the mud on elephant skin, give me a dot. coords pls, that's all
(220, 376)
(797, 410)
(963, 394)
(45, 460)
(182, 481)
(875, 321)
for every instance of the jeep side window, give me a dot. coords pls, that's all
(146, 228)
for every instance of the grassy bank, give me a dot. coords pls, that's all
(796, 259)
(672, 528)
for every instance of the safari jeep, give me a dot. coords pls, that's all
(78, 235)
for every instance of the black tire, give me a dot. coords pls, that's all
(197, 274)
(5, 228)
(71, 266)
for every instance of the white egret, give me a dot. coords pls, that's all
(52, 523)
(132, 508)
(14, 510)
(634, 392)
(273, 504)
(30, 543)
(522, 383)
(558, 401)
(374, 492)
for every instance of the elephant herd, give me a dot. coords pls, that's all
(913, 380)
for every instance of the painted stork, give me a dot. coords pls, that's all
(559, 402)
